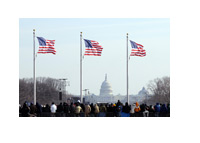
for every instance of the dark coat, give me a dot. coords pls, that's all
(126, 108)
(25, 110)
(60, 108)
(33, 109)
(157, 107)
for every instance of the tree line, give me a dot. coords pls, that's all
(47, 90)
(160, 89)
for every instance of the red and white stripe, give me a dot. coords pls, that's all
(138, 52)
(49, 48)
(96, 49)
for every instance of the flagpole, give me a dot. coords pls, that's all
(127, 71)
(81, 96)
(34, 77)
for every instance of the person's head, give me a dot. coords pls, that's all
(126, 103)
(52, 103)
(24, 105)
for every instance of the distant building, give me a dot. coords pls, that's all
(106, 89)
(106, 95)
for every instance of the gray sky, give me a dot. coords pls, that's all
(152, 33)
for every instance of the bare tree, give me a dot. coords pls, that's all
(47, 90)
(160, 88)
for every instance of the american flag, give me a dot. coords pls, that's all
(92, 48)
(137, 49)
(46, 46)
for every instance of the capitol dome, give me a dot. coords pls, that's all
(143, 92)
(106, 89)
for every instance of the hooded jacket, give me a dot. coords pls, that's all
(137, 108)
(157, 107)
(163, 108)
(87, 109)
(96, 109)
(78, 109)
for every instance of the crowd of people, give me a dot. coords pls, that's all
(78, 109)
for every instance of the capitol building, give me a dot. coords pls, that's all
(106, 95)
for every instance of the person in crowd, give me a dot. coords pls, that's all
(102, 110)
(96, 110)
(72, 109)
(53, 109)
(66, 108)
(157, 109)
(151, 109)
(142, 107)
(119, 103)
(109, 108)
(168, 108)
(92, 109)
(33, 109)
(146, 111)
(118, 109)
(87, 110)
(126, 108)
(39, 109)
(133, 108)
(78, 109)
(163, 110)
(25, 110)
(47, 109)
(112, 108)
(60, 110)
(137, 109)
(106, 105)
(82, 106)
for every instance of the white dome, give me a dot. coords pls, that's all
(142, 92)
(106, 89)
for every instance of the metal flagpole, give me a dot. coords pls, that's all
(81, 96)
(34, 77)
(127, 70)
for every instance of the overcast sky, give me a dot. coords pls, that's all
(152, 33)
